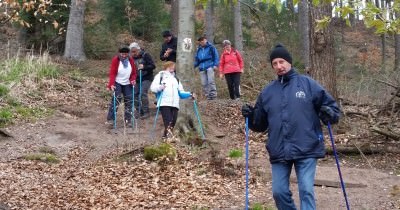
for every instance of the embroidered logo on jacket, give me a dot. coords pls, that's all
(300, 94)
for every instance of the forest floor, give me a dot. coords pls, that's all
(100, 169)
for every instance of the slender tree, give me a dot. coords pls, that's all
(237, 26)
(397, 48)
(322, 66)
(210, 20)
(175, 16)
(304, 28)
(74, 39)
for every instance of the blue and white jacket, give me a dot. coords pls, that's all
(206, 57)
(173, 89)
(288, 108)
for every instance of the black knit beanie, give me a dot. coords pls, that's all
(280, 52)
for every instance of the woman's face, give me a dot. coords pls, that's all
(227, 47)
(171, 68)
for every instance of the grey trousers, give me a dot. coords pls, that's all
(144, 106)
(208, 82)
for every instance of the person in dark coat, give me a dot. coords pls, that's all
(145, 66)
(122, 76)
(169, 47)
(290, 109)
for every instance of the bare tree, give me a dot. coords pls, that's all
(175, 16)
(322, 66)
(304, 28)
(397, 48)
(237, 27)
(210, 20)
(74, 39)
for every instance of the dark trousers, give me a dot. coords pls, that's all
(126, 91)
(233, 81)
(169, 115)
(144, 106)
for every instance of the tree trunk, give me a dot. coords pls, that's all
(174, 16)
(397, 52)
(383, 40)
(209, 21)
(351, 16)
(237, 29)
(304, 28)
(322, 66)
(186, 49)
(290, 6)
(74, 39)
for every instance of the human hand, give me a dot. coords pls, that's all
(193, 95)
(162, 87)
(221, 76)
(112, 87)
(327, 115)
(247, 110)
(140, 67)
(133, 82)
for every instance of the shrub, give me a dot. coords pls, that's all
(235, 153)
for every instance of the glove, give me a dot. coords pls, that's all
(327, 115)
(247, 110)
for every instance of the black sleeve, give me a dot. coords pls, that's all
(148, 63)
(259, 121)
(163, 49)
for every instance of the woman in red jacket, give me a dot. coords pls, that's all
(231, 65)
(121, 78)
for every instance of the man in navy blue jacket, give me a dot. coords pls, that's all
(207, 60)
(290, 109)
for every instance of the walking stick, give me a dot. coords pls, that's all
(115, 111)
(247, 164)
(133, 106)
(155, 119)
(198, 119)
(140, 92)
(338, 166)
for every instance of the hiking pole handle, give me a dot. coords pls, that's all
(338, 165)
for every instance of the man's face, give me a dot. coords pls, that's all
(203, 42)
(167, 39)
(281, 66)
(135, 52)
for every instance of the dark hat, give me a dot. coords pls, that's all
(280, 52)
(124, 50)
(166, 33)
(201, 38)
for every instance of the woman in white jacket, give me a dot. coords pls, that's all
(169, 91)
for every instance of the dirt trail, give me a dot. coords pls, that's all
(83, 127)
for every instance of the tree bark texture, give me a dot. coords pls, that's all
(209, 21)
(186, 47)
(304, 28)
(174, 16)
(322, 53)
(237, 29)
(74, 38)
(397, 52)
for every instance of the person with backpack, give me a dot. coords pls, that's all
(122, 76)
(207, 59)
(145, 66)
(169, 90)
(231, 65)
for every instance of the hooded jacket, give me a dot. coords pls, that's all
(148, 65)
(173, 89)
(206, 57)
(288, 108)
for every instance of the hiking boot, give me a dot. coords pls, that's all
(128, 123)
(145, 115)
(109, 123)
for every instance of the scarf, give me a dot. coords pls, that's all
(125, 61)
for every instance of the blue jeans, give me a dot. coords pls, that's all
(208, 83)
(126, 91)
(305, 172)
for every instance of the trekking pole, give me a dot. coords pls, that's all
(338, 166)
(115, 111)
(155, 119)
(247, 164)
(198, 119)
(140, 92)
(133, 106)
